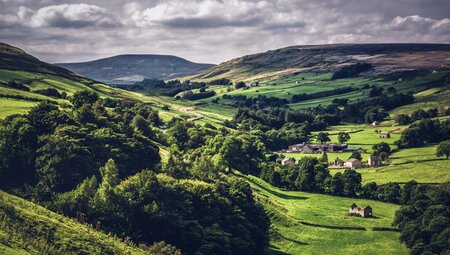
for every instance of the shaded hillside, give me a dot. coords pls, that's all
(12, 58)
(385, 58)
(26, 228)
(127, 69)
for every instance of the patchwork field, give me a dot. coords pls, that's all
(304, 223)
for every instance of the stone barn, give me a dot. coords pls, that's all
(353, 163)
(358, 211)
(385, 135)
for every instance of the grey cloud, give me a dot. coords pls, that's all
(63, 16)
(212, 30)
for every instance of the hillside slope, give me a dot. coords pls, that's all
(305, 223)
(15, 59)
(127, 69)
(26, 228)
(384, 58)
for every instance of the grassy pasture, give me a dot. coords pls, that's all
(304, 223)
(10, 106)
(425, 100)
(419, 164)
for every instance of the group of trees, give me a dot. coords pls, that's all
(311, 175)
(189, 95)
(196, 216)
(424, 132)
(104, 162)
(160, 87)
(424, 218)
(404, 119)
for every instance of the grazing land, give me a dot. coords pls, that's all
(316, 224)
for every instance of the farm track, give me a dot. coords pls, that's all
(197, 116)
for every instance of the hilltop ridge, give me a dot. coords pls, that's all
(130, 68)
(385, 58)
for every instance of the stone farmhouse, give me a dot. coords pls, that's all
(357, 211)
(374, 161)
(353, 163)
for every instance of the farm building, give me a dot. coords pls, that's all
(363, 212)
(288, 162)
(338, 162)
(374, 161)
(385, 135)
(317, 148)
(353, 163)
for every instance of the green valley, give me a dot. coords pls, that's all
(240, 158)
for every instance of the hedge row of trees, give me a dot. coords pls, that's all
(311, 175)
(404, 119)
(424, 132)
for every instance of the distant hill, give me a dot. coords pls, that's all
(384, 59)
(127, 69)
(26, 81)
(15, 59)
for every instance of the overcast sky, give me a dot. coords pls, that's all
(212, 31)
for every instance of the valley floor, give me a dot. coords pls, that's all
(305, 223)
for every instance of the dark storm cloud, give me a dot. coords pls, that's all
(212, 30)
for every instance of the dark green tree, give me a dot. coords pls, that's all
(443, 149)
(343, 137)
(83, 97)
(322, 137)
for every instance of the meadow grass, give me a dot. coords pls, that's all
(419, 164)
(290, 210)
(10, 106)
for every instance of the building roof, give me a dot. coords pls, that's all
(338, 159)
(353, 160)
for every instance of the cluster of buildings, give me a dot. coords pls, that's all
(310, 148)
(353, 163)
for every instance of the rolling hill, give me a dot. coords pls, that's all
(127, 69)
(15, 59)
(383, 59)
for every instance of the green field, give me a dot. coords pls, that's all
(419, 164)
(9, 105)
(431, 98)
(26, 228)
(293, 213)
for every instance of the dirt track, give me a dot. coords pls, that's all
(197, 116)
